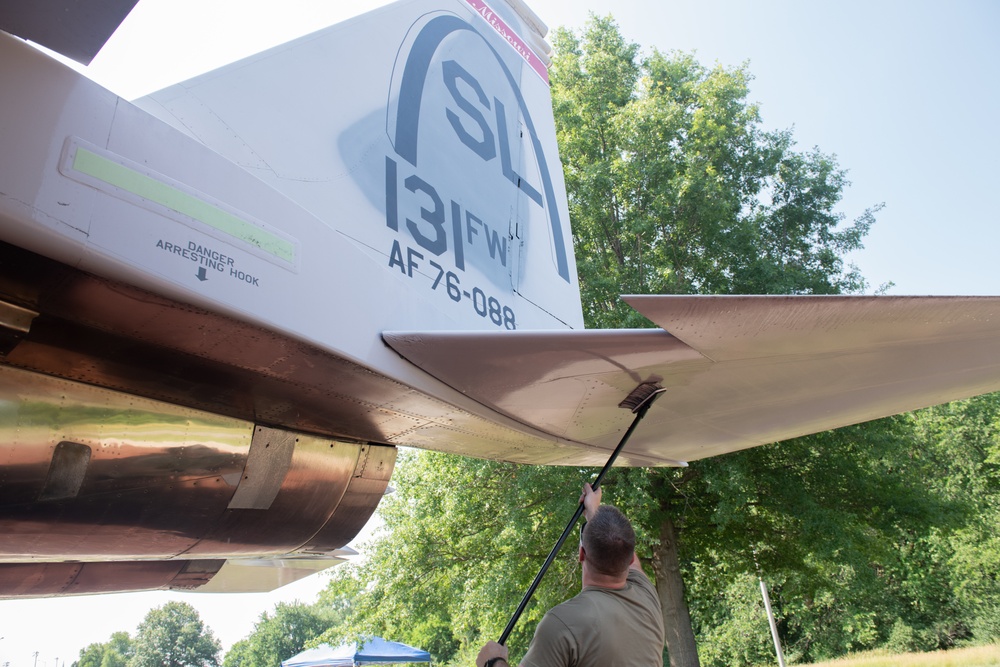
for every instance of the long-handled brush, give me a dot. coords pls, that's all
(638, 401)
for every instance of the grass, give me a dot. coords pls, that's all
(976, 656)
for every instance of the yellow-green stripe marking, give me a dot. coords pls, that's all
(128, 179)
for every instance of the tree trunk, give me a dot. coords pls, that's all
(670, 589)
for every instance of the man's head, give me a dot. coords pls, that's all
(608, 542)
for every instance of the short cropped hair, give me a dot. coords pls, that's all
(609, 541)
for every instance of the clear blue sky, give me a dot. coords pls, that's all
(906, 94)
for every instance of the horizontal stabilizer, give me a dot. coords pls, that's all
(740, 371)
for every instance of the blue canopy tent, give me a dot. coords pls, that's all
(375, 651)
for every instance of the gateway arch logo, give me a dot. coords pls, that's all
(466, 145)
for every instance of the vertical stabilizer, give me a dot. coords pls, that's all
(422, 133)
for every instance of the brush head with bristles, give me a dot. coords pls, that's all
(640, 395)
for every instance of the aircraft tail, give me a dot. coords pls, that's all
(423, 133)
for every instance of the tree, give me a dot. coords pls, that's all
(174, 636)
(279, 636)
(965, 437)
(675, 187)
(113, 653)
(118, 651)
(462, 540)
(820, 517)
(90, 656)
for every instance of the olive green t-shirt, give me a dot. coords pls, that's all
(602, 627)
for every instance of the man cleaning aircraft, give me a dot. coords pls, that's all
(226, 304)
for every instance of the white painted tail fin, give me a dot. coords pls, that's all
(423, 133)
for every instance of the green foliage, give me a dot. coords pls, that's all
(462, 541)
(118, 651)
(113, 653)
(279, 636)
(820, 518)
(733, 635)
(881, 535)
(905, 639)
(966, 436)
(90, 656)
(675, 187)
(174, 636)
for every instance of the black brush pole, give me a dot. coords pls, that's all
(640, 412)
